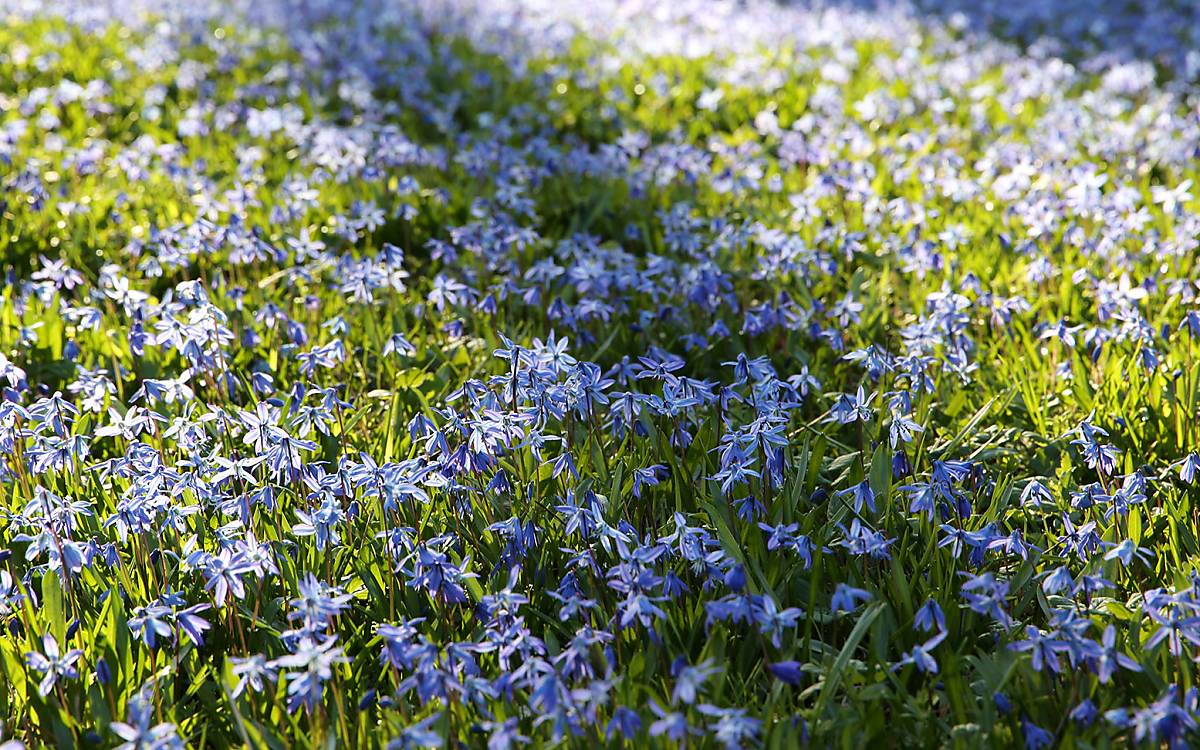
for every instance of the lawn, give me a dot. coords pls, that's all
(500, 373)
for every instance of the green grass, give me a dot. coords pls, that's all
(141, 215)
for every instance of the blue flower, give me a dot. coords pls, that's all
(52, 664)
(847, 598)
(789, 672)
(930, 617)
(1036, 738)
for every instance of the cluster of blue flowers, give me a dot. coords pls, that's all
(462, 373)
